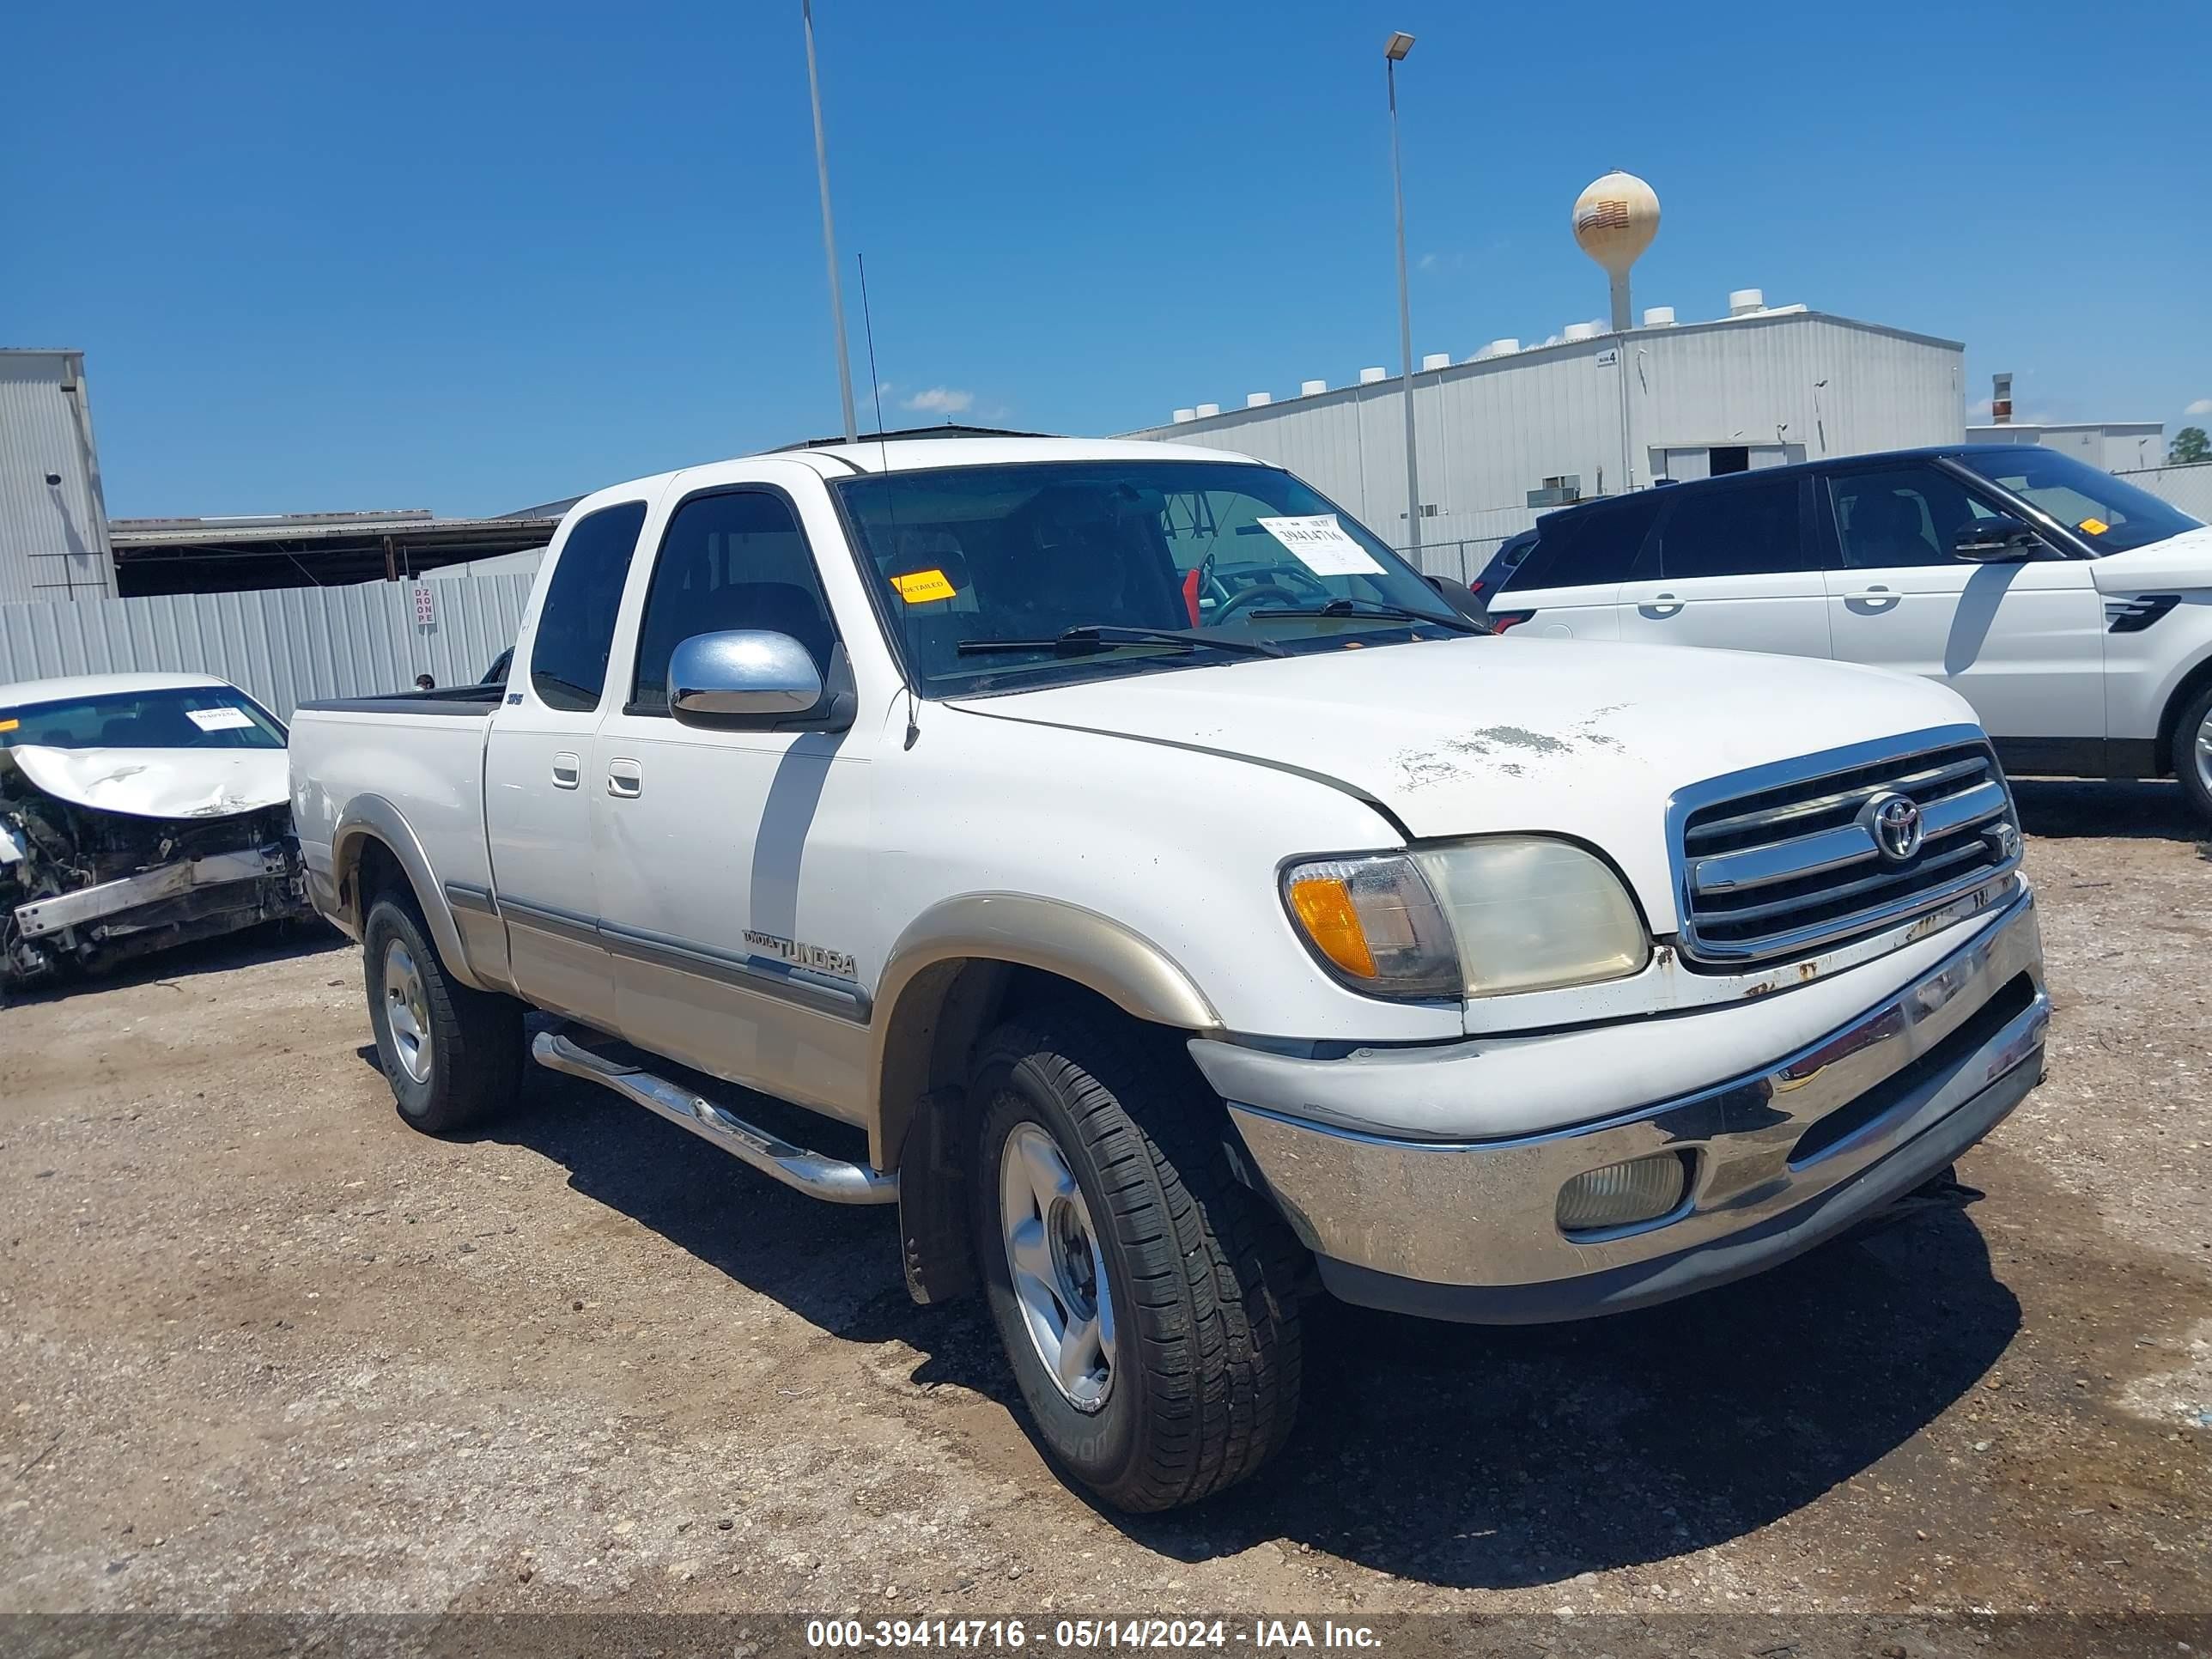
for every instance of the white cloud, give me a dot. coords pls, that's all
(941, 400)
(2202, 406)
(1426, 262)
(1979, 408)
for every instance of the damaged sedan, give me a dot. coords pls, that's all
(137, 812)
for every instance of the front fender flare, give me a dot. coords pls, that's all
(1051, 935)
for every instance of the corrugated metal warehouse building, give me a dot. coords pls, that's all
(1513, 431)
(286, 645)
(53, 521)
(2115, 446)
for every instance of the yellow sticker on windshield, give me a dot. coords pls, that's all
(9, 725)
(2095, 527)
(920, 586)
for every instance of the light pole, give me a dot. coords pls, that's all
(828, 230)
(1394, 53)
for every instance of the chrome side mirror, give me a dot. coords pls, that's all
(746, 673)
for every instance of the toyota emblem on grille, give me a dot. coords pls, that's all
(1896, 824)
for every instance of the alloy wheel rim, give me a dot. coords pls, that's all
(2204, 752)
(1058, 1272)
(406, 1013)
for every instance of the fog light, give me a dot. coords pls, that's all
(1621, 1195)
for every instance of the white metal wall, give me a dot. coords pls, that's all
(1491, 431)
(2189, 488)
(2115, 446)
(53, 538)
(286, 646)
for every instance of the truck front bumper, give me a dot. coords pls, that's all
(1775, 1161)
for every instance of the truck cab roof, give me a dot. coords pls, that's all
(899, 453)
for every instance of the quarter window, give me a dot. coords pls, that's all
(1904, 515)
(576, 624)
(1738, 530)
(731, 560)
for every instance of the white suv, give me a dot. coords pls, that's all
(2073, 610)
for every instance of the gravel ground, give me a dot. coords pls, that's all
(261, 1349)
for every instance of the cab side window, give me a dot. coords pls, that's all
(576, 624)
(1736, 530)
(734, 559)
(1902, 515)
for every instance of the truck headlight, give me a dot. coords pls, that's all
(1477, 917)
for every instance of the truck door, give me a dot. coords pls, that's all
(731, 859)
(536, 766)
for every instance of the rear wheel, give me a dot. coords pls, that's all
(453, 1056)
(1146, 1300)
(2192, 754)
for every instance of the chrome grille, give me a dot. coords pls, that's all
(1781, 861)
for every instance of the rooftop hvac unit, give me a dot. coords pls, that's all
(1563, 491)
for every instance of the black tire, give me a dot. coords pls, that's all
(471, 1065)
(2196, 788)
(1204, 1276)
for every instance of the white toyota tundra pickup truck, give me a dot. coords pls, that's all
(1139, 876)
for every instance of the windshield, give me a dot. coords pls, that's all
(2110, 515)
(184, 717)
(985, 570)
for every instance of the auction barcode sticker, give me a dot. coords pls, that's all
(1319, 544)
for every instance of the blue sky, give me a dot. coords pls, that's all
(473, 257)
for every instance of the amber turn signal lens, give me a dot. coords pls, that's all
(1324, 905)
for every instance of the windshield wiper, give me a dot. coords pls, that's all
(1365, 608)
(1101, 637)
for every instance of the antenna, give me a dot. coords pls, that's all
(883, 454)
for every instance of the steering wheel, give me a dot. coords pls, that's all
(1229, 608)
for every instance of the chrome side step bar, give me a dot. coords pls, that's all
(826, 1178)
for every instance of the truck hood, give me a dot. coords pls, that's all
(2179, 561)
(158, 783)
(1480, 736)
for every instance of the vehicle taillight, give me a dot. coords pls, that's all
(1502, 620)
(1476, 586)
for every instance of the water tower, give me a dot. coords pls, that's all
(1615, 220)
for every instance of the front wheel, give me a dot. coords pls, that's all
(2192, 754)
(453, 1056)
(1146, 1300)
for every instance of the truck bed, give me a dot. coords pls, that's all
(464, 701)
(419, 751)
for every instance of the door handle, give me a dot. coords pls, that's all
(625, 779)
(1873, 595)
(1661, 605)
(568, 771)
